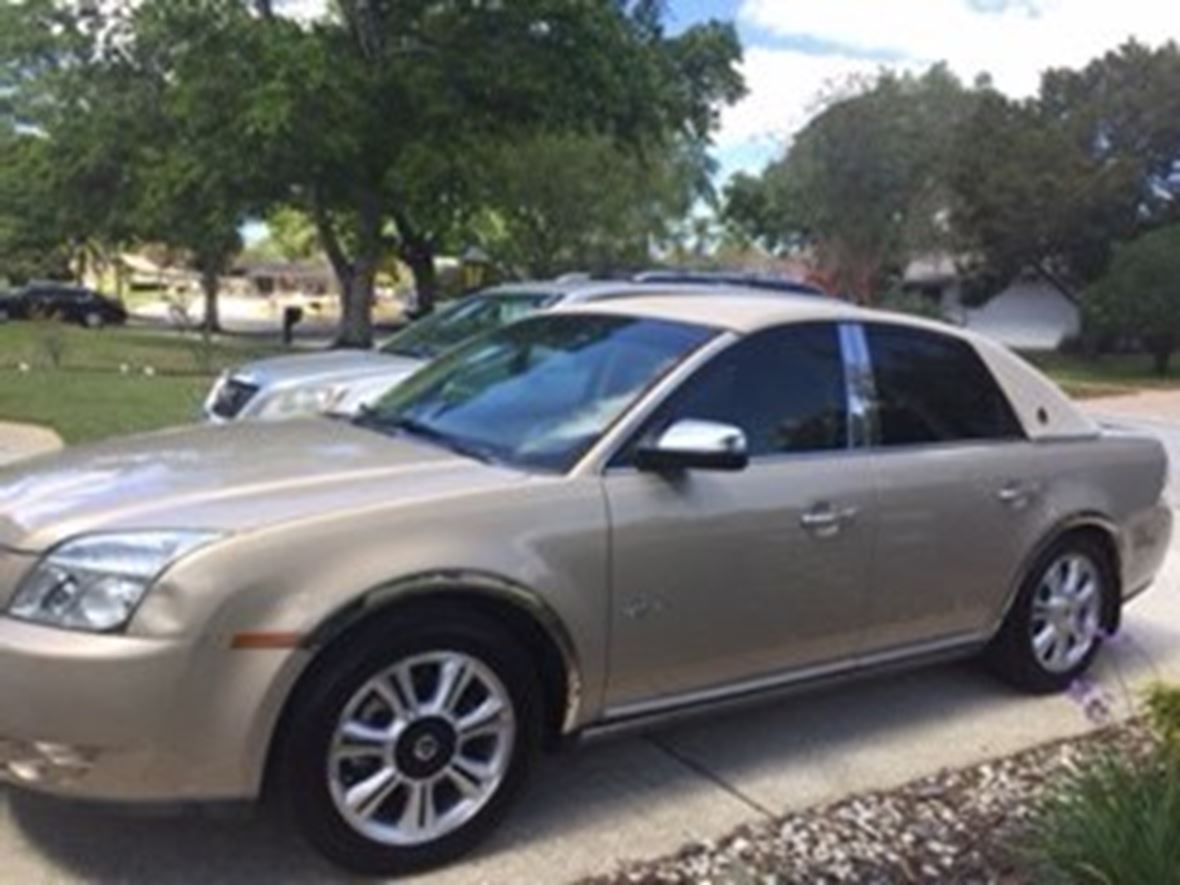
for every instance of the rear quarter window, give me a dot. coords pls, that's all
(933, 388)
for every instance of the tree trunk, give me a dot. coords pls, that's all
(356, 276)
(419, 257)
(356, 305)
(210, 283)
(1161, 347)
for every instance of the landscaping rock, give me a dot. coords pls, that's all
(962, 827)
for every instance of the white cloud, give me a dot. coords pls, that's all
(1014, 43)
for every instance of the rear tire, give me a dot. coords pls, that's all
(92, 320)
(1055, 627)
(369, 719)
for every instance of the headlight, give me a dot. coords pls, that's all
(302, 401)
(95, 582)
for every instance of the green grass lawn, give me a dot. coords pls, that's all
(1109, 375)
(87, 395)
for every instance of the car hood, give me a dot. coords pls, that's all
(229, 479)
(330, 366)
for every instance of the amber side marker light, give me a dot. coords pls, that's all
(244, 641)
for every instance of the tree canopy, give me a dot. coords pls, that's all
(1139, 297)
(175, 121)
(862, 184)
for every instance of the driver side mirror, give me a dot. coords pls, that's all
(691, 444)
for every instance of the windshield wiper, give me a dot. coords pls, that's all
(369, 417)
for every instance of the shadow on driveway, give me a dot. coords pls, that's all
(625, 798)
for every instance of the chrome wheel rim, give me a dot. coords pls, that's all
(1066, 615)
(421, 748)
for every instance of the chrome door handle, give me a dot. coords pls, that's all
(1017, 494)
(824, 520)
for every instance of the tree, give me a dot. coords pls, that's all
(385, 109)
(864, 183)
(1139, 297)
(141, 140)
(1053, 183)
(561, 202)
(30, 242)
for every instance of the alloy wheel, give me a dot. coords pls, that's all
(1066, 612)
(421, 748)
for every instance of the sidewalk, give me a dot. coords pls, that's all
(25, 440)
(1148, 405)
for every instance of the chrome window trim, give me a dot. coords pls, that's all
(862, 359)
(606, 449)
(860, 387)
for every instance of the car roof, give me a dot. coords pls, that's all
(726, 307)
(749, 280)
(576, 290)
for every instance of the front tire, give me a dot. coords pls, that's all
(1055, 626)
(408, 744)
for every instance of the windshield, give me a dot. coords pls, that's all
(465, 319)
(539, 393)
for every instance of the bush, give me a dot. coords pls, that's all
(913, 303)
(1139, 298)
(1117, 819)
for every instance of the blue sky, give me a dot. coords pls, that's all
(797, 51)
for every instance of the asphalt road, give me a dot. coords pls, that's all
(588, 810)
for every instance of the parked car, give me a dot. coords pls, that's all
(344, 381)
(767, 282)
(592, 518)
(8, 305)
(73, 304)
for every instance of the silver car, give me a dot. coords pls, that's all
(341, 382)
(593, 518)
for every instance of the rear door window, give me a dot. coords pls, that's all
(934, 388)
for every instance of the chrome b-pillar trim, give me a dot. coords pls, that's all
(860, 387)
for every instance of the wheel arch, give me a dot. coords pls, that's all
(517, 608)
(1093, 524)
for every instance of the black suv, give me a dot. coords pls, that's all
(72, 304)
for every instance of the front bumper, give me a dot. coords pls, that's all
(125, 718)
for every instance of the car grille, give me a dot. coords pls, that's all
(231, 397)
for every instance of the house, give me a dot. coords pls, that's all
(1032, 313)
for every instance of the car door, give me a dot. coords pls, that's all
(723, 577)
(956, 487)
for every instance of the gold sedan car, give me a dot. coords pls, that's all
(594, 517)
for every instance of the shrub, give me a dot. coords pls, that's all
(913, 303)
(1139, 297)
(52, 343)
(1116, 819)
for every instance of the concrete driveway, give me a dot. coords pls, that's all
(589, 810)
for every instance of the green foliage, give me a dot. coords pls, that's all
(1114, 821)
(1054, 182)
(1140, 295)
(913, 303)
(580, 203)
(1163, 708)
(863, 183)
(173, 121)
(291, 235)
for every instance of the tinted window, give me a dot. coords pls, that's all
(783, 387)
(934, 388)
